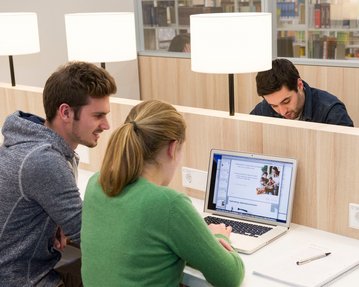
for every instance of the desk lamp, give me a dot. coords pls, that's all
(228, 43)
(101, 37)
(19, 35)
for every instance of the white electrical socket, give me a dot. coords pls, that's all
(354, 215)
(194, 178)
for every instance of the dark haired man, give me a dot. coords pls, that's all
(40, 205)
(286, 95)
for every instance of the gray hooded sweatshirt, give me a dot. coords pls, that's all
(38, 193)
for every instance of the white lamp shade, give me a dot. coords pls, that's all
(19, 34)
(101, 37)
(229, 43)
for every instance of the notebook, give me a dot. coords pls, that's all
(254, 192)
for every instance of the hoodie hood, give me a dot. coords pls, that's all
(24, 128)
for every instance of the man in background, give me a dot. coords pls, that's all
(40, 205)
(180, 43)
(286, 95)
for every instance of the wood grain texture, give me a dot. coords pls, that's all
(327, 178)
(171, 80)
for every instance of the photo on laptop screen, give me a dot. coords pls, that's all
(253, 188)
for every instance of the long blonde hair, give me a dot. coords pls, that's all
(148, 127)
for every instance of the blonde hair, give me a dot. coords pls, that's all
(148, 127)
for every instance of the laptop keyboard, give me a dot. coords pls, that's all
(239, 226)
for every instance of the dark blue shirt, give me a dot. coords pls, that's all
(319, 106)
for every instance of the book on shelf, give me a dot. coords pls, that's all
(301, 10)
(340, 51)
(324, 15)
(317, 16)
(331, 47)
(298, 50)
(317, 48)
(310, 18)
(285, 46)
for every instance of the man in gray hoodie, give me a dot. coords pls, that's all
(40, 205)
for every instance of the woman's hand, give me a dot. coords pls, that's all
(224, 230)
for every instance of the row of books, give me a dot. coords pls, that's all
(161, 13)
(326, 15)
(286, 10)
(327, 47)
(319, 15)
(319, 47)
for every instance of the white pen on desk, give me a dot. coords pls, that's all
(310, 259)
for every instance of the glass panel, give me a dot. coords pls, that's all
(318, 29)
(168, 20)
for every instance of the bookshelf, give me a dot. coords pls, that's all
(318, 29)
(162, 20)
(312, 29)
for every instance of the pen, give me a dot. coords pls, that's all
(310, 259)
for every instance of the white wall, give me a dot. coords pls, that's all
(33, 70)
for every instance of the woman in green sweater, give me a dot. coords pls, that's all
(135, 230)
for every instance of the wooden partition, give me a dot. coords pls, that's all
(328, 173)
(171, 80)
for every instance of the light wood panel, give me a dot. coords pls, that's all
(20, 98)
(328, 176)
(171, 80)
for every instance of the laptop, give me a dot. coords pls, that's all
(252, 193)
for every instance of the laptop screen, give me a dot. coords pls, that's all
(250, 186)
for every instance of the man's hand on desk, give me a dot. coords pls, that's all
(224, 230)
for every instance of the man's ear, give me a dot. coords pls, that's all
(300, 84)
(65, 112)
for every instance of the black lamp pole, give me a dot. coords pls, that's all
(231, 94)
(12, 73)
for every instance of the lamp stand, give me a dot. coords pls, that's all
(231, 94)
(103, 65)
(12, 73)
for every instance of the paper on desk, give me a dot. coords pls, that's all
(283, 267)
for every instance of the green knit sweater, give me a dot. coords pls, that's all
(144, 237)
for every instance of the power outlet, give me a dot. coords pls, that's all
(194, 178)
(354, 215)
